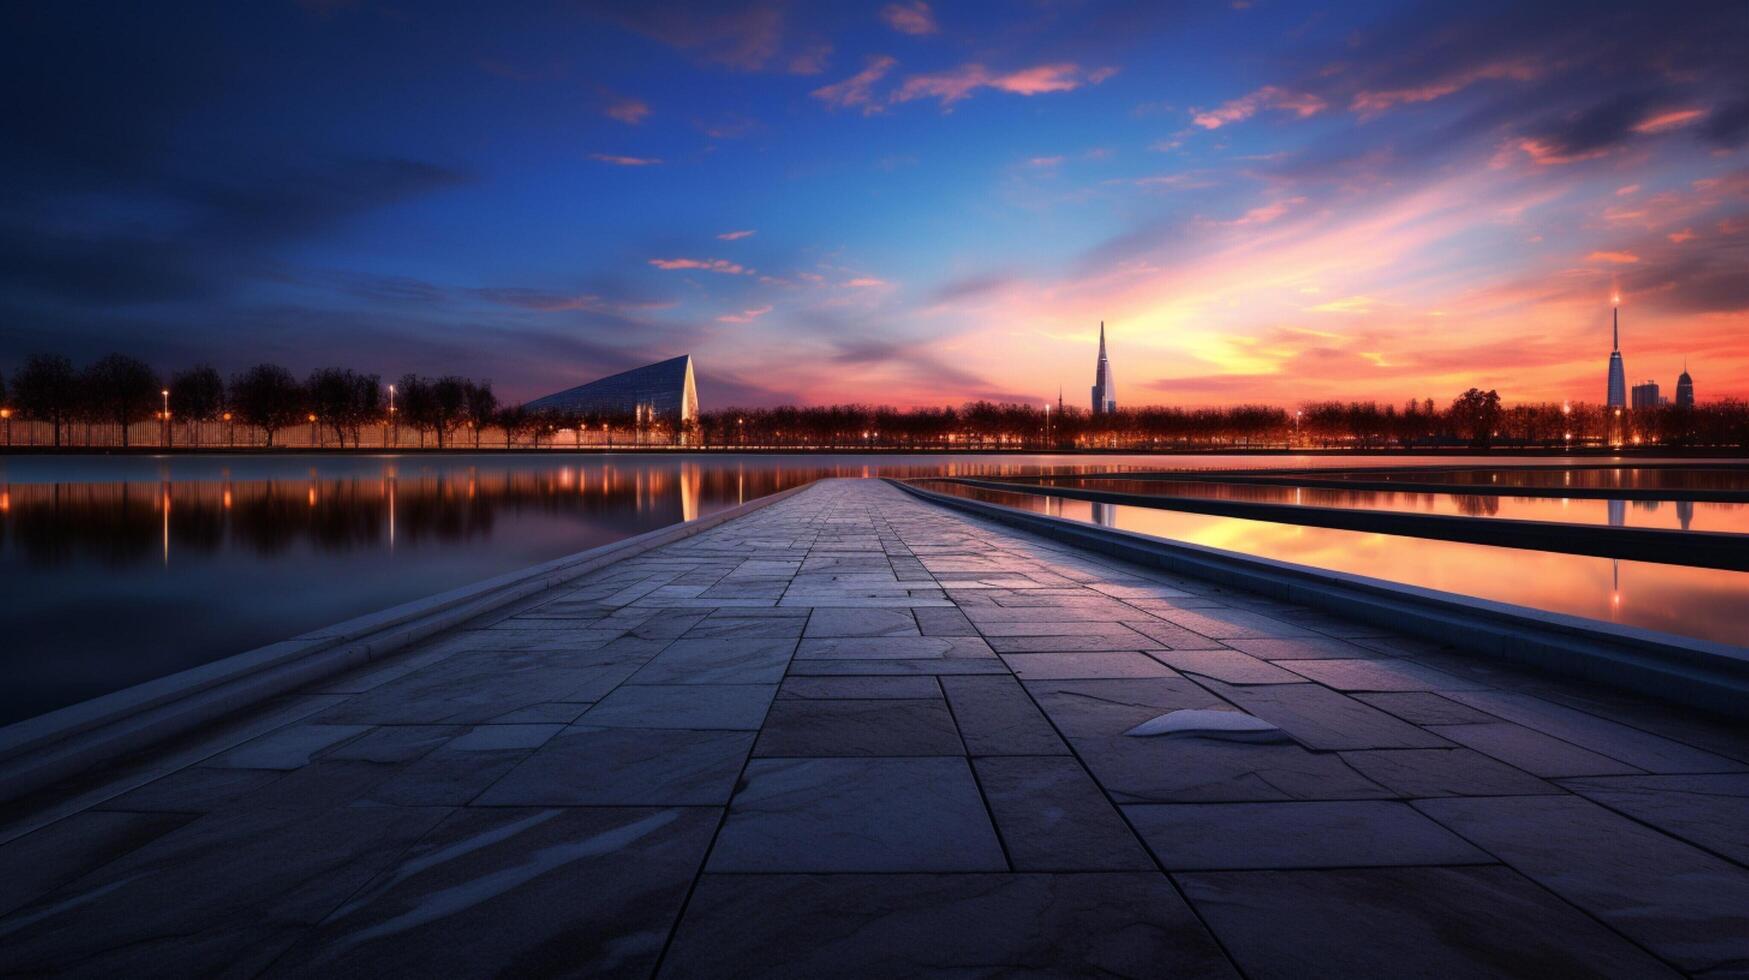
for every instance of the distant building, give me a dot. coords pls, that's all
(1685, 389)
(1646, 396)
(1618, 381)
(665, 390)
(1104, 390)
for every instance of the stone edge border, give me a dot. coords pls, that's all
(39, 751)
(1711, 676)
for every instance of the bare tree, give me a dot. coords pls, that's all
(268, 397)
(122, 390)
(46, 390)
(197, 395)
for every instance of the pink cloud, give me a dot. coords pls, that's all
(1663, 122)
(1045, 161)
(629, 111)
(959, 83)
(745, 316)
(1616, 258)
(1545, 154)
(1269, 212)
(707, 265)
(865, 282)
(622, 161)
(1372, 102)
(1627, 191)
(910, 18)
(1301, 104)
(1678, 237)
(732, 236)
(857, 91)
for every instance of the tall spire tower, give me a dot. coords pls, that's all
(1104, 390)
(1618, 381)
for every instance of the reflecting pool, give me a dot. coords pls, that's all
(1703, 603)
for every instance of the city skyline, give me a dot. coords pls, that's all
(906, 203)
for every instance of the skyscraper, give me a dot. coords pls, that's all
(1685, 389)
(1104, 390)
(1647, 396)
(1618, 380)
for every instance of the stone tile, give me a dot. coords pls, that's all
(1244, 836)
(1053, 817)
(894, 648)
(829, 622)
(755, 660)
(902, 688)
(996, 717)
(547, 713)
(733, 707)
(287, 748)
(910, 925)
(1229, 666)
(224, 894)
(1170, 635)
(942, 666)
(1068, 666)
(1482, 922)
(589, 766)
(741, 627)
(46, 859)
(1191, 770)
(1419, 708)
(1379, 675)
(532, 891)
(1681, 903)
(471, 688)
(1302, 648)
(1081, 708)
(394, 743)
(841, 815)
(938, 621)
(858, 728)
(195, 789)
(1320, 718)
(1711, 811)
(1644, 750)
(1229, 624)
(1444, 772)
(1534, 752)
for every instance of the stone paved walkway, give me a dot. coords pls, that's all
(853, 734)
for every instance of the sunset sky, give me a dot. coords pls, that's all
(908, 203)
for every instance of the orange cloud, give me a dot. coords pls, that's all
(1663, 122)
(1373, 102)
(1678, 237)
(621, 161)
(865, 282)
(959, 83)
(707, 265)
(910, 18)
(1301, 104)
(1616, 258)
(1545, 154)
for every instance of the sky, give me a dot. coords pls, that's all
(907, 203)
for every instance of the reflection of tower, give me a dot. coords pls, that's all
(1105, 515)
(690, 479)
(1618, 382)
(1685, 513)
(1104, 391)
(1615, 587)
(1618, 513)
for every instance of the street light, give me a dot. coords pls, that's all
(6, 413)
(313, 431)
(166, 394)
(394, 423)
(230, 432)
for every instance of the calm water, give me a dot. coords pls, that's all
(119, 569)
(1705, 603)
(1673, 515)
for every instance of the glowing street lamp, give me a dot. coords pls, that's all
(230, 431)
(394, 423)
(6, 414)
(314, 435)
(166, 395)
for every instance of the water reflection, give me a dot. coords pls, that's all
(1669, 515)
(1603, 477)
(1698, 602)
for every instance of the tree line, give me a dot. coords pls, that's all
(123, 391)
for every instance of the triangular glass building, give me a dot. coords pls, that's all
(665, 390)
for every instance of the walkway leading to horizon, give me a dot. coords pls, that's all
(854, 734)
